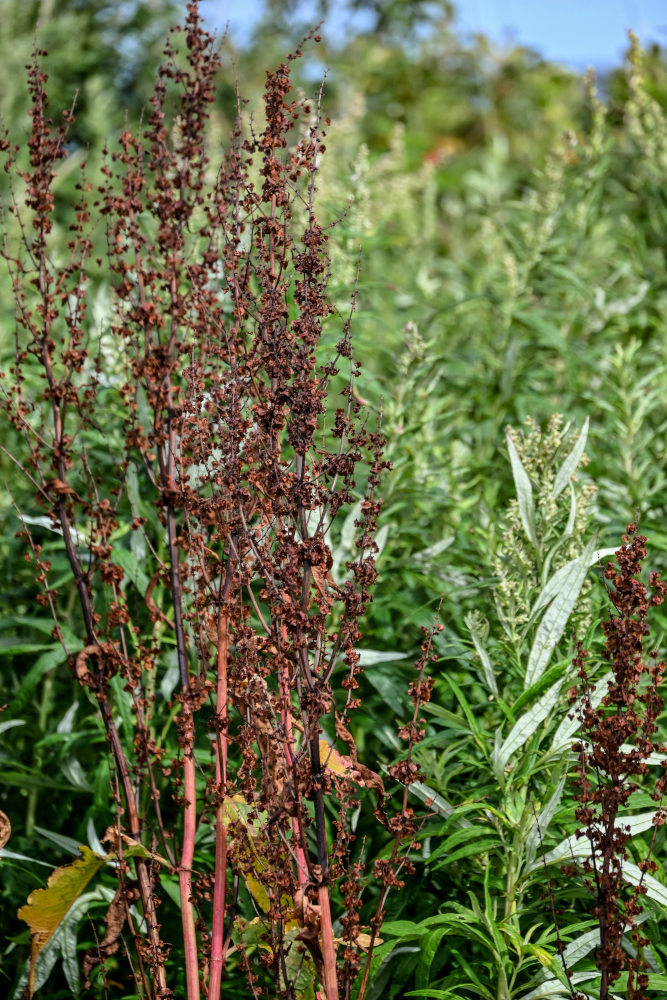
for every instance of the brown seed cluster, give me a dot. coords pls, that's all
(211, 424)
(618, 737)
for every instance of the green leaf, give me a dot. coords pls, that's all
(14, 647)
(561, 578)
(68, 953)
(547, 679)
(44, 625)
(570, 724)
(53, 657)
(556, 616)
(654, 890)
(524, 728)
(66, 844)
(551, 990)
(384, 974)
(582, 946)
(481, 846)
(467, 711)
(122, 701)
(540, 828)
(389, 684)
(369, 657)
(436, 802)
(13, 856)
(11, 724)
(400, 928)
(524, 492)
(131, 567)
(470, 833)
(172, 889)
(580, 847)
(25, 777)
(46, 908)
(478, 641)
(439, 994)
(429, 949)
(571, 463)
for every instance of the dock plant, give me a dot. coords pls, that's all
(191, 457)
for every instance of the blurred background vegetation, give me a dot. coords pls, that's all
(502, 222)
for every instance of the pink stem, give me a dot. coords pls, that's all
(185, 874)
(219, 885)
(328, 948)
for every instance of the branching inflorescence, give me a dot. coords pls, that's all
(618, 738)
(224, 453)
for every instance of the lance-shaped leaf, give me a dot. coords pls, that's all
(369, 657)
(436, 802)
(575, 847)
(524, 492)
(478, 640)
(470, 841)
(560, 578)
(524, 728)
(536, 835)
(570, 724)
(552, 990)
(571, 463)
(654, 890)
(556, 616)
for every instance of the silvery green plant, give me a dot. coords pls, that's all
(497, 758)
(541, 530)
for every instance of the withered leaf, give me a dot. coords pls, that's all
(5, 829)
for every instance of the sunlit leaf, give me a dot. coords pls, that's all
(46, 908)
(556, 616)
(250, 846)
(478, 641)
(571, 723)
(571, 463)
(575, 847)
(333, 761)
(524, 492)
(540, 828)
(524, 728)
(562, 576)
(369, 657)
(435, 802)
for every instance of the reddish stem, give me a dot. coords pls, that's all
(328, 946)
(219, 885)
(185, 869)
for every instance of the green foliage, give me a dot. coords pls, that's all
(512, 269)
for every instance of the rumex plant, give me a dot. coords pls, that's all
(618, 741)
(203, 429)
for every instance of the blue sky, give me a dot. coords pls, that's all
(579, 33)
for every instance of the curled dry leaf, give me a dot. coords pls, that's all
(114, 920)
(81, 667)
(5, 829)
